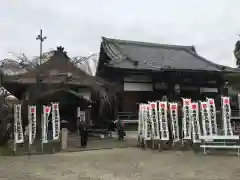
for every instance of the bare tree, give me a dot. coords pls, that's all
(87, 63)
(21, 64)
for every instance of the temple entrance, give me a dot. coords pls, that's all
(68, 114)
(68, 101)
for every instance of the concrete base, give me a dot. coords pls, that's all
(166, 145)
(186, 144)
(177, 145)
(156, 144)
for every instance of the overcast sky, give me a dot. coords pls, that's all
(212, 26)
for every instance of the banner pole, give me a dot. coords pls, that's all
(14, 144)
(42, 133)
(44, 124)
(29, 150)
(14, 148)
(14, 130)
(29, 129)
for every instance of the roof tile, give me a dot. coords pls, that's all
(152, 56)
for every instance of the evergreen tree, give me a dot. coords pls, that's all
(237, 53)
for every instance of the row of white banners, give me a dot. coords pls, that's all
(30, 130)
(154, 122)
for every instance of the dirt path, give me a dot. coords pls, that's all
(121, 164)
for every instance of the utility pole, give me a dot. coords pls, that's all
(41, 38)
(38, 78)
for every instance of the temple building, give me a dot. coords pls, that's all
(150, 71)
(56, 79)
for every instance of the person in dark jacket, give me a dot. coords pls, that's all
(83, 133)
(120, 130)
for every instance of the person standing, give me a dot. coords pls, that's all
(83, 133)
(120, 128)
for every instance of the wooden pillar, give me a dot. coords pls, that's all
(174, 83)
(171, 93)
(222, 86)
(223, 89)
(169, 82)
(120, 101)
(116, 107)
(198, 83)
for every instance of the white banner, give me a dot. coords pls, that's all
(18, 130)
(154, 118)
(173, 108)
(55, 121)
(206, 125)
(32, 120)
(144, 120)
(212, 115)
(196, 131)
(151, 119)
(148, 132)
(186, 120)
(45, 116)
(140, 121)
(163, 121)
(226, 115)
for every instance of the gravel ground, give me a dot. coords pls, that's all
(121, 164)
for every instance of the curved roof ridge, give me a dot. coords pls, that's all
(141, 43)
(203, 59)
(185, 57)
(115, 52)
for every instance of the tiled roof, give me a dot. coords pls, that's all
(143, 56)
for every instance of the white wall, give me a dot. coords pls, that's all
(137, 78)
(138, 83)
(138, 86)
(205, 89)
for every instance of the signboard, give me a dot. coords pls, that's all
(18, 130)
(140, 121)
(196, 131)
(55, 121)
(226, 115)
(32, 123)
(46, 113)
(148, 130)
(186, 121)
(154, 120)
(212, 115)
(206, 125)
(173, 108)
(163, 121)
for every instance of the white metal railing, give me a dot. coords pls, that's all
(132, 117)
(235, 114)
(128, 117)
